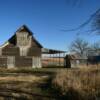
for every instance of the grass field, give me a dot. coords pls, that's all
(78, 84)
(47, 83)
(25, 84)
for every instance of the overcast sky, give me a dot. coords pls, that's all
(46, 19)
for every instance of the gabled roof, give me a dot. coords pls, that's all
(24, 28)
(5, 44)
(76, 57)
(51, 51)
(21, 29)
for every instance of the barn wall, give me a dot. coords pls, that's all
(10, 51)
(10, 61)
(23, 62)
(0, 51)
(23, 39)
(34, 51)
(13, 59)
(36, 62)
(78, 63)
(29, 62)
(15, 51)
(3, 62)
(20, 62)
(34, 44)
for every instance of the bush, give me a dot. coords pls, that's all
(78, 84)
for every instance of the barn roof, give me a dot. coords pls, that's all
(76, 57)
(51, 51)
(22, 29)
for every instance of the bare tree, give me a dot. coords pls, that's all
(79, 46)
(96, 23)
(96, 46)
(94, 20)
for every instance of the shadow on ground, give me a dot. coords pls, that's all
(23, 86)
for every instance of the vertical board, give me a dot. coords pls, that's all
(0, 51)
(3, 62)
(23, 62)
(10, 62)
(39, 62)
(36, 62)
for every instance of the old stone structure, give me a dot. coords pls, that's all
(21, 50)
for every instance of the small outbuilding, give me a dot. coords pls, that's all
(74, 61)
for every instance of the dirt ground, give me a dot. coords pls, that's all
(23, 86)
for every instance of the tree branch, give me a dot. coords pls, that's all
(85, 23)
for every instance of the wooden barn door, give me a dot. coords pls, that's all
(10, 62)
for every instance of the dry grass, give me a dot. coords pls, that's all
(25, 78)
(21, 84)
(72, 84)
(78, 84)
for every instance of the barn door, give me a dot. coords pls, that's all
(10, 62)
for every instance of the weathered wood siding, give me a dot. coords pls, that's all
(36, 62)
(23, 62)
(10, 61)
(3, 62)
(10, 51)
(34, 51)
(23, 39)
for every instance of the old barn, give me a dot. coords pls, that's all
(21, 50)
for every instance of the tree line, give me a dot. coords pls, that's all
(81, 47)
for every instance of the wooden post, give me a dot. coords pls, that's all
(50, 59)
(56, 59)
(64, 59)
(59, 58)
(53, 60)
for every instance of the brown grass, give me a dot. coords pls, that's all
(78, 84)
(21, 84)
(25, 78)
